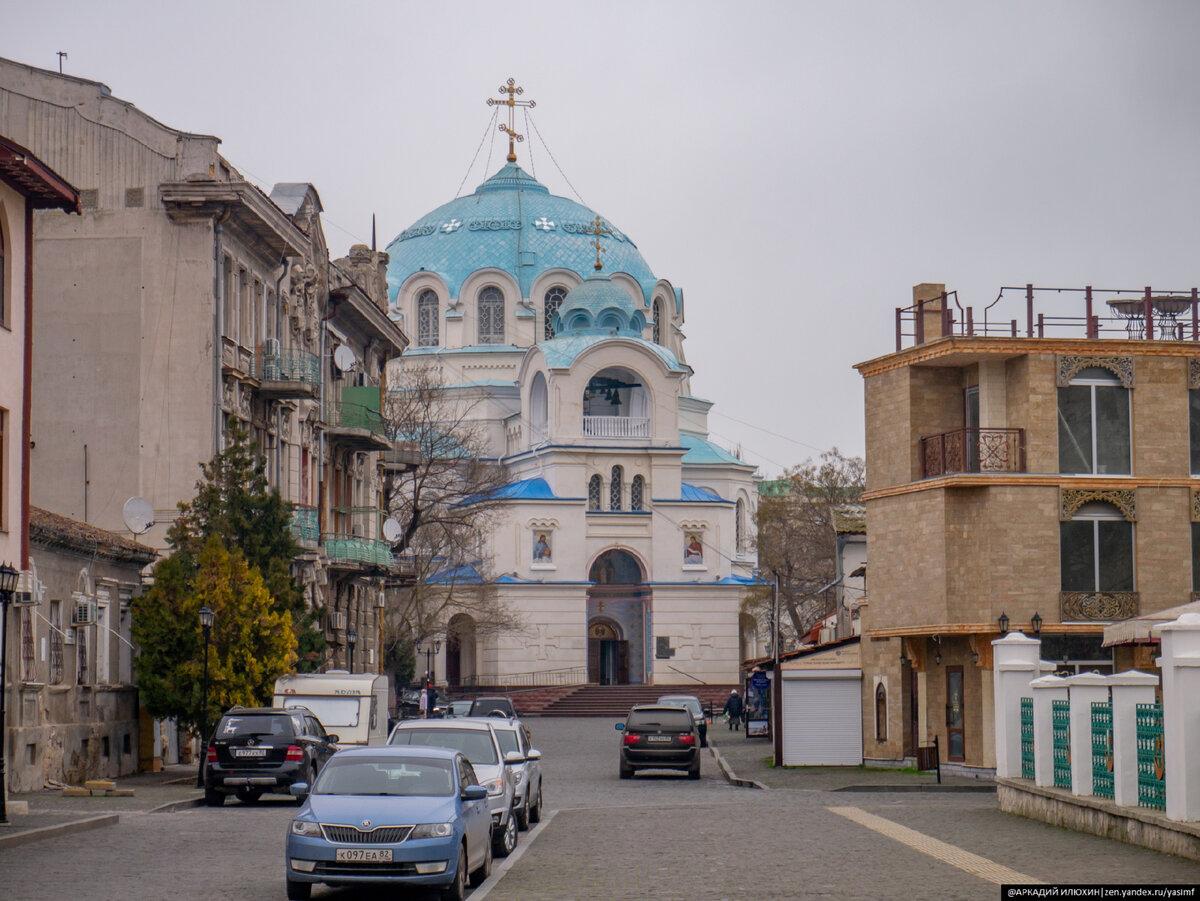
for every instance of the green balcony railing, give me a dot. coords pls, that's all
(354, 549)
(1060, 714)
(1027, 738)
(288, 366)
(305, 526)
(1152, 784)
(1102, 749)
(343, 414)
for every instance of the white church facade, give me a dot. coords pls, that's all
(625, 541)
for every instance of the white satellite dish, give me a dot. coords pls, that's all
(392, 529)
(344, 358)
(138, 515)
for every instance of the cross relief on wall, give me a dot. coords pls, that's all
(695, 643)
(542, 642)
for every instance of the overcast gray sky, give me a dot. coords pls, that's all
(795, 167)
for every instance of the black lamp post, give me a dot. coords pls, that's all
(206, 623)
(430, 650)
(1003, 623)
(351, 640)
(8, 584)
(1036, 622)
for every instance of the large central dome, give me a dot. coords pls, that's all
(512, 223)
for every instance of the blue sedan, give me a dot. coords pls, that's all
(391, 815)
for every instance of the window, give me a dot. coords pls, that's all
(1196, 556)
(1093, 424)
(228, 300)
(880, 712)
(594, 489)
(660, 324)
(1194, 423)
(427, 319)
(1096, 549)
(259, 313)
(56, 643)
(81, 671)
(739, 526)
(637, 494)
(245, 308)
(28, 659)
(4, 308)
(491, 316)
(615, 489)
(3, 469)
(551, 303)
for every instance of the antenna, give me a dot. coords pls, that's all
(391, 529)
(138, 515)
(344, 358)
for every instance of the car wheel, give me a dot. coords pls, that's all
(249, 796)
(535, 812)
(212, 797)
(457, 889)
(506, 838)
(485, 869)
(522, 816)
(626, 771)
(299, 891)
(694, 772)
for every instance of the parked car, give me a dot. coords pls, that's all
(692, 703)
(478, 741)
(391, 816)
(452, 709)
(264, 749)
(514, 736)
(656, 738)
(490, 706)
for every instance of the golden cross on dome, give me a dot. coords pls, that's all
(598, 229)
(512, 90)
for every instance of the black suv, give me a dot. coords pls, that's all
(659, 738)
(492, 705)
(261, 749)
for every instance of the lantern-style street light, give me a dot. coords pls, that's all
(8, 584)
(1003, 623)
(207, 616)
(351, 640)
(431, 649)
(1036, 622)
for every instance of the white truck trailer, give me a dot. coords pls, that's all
(354, 705)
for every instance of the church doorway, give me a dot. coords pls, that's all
(460, 650)
(618, 620)
(608, 654)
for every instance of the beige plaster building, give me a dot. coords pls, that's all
(1039, 476)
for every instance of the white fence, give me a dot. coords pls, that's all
(616, 426)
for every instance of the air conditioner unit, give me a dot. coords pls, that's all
(337, 620)
(83, 615)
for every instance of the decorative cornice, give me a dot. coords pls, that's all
(1124, 499)
(1098, 605)
(1035, 480)
(1070, 366)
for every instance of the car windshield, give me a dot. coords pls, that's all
(670, 720)
(507, 739)
(690, 703)
(413, 776)
(262, 724)
(476, 744)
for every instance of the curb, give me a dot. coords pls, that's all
(172, 806)
(732, 777)
(33, 835)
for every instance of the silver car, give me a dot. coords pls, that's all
(514, 736)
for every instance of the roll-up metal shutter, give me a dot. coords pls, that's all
(822, 718)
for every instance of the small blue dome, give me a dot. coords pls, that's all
(599, 307)
(512, 223)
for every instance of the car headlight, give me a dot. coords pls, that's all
(432, 830)
(495, 786)
(305, 827)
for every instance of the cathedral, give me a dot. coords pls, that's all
(624, 543)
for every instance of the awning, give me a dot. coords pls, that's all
(1137, 629)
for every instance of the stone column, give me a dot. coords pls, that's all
(1083, 690)
(1045, 690)
(1180, 665)
(1129, 689)
(1015, 659)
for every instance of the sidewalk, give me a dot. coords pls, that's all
(749, 761)
(51, 814)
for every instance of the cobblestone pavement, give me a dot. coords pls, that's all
(653, 837)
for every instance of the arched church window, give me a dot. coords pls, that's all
(660, 321)
(550, 304)
(637, 494)
(427, 319)
(616, 489)
(594, 488)
(739, 526)
(880, 712)
(3, 291)
(491, 316)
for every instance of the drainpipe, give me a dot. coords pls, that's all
(218, 325)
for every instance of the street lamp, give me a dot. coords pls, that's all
(207, 616)
(430, 650)
(8, 584)
(351, 640)
(1003, 623)
(380, 605)
(1036, 622)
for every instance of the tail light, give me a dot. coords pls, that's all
(632, 738)
(294, 754)
(687, 738)
(211, 757)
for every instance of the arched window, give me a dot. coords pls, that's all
(615, 489)
(1096, 548)
(739, 526)
(880, 712)
(427, 319)
(538, 409)
(660, 321)
(550, 304)
(1093, 424)
(594, 489)
(637, 494)
(491, 316)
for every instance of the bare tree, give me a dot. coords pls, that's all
(797, 543)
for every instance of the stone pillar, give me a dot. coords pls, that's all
(1015, 661)
(993, 394)
(1129, 689)
(1083, 690)
(1045, 690)
(1180, 665)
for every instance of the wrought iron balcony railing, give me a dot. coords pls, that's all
(340, 414)
(305, 527)
(973, 450)
(356, 549)
(297, 366)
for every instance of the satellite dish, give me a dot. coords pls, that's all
(391, 529)
(138, 515)
(344, 358)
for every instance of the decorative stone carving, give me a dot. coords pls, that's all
(1070, 366)
(1095, 606)
(1124, 499)
(1194, 373)
(228, 396)
(1195, 506)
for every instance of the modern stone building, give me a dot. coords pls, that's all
(1040, 475)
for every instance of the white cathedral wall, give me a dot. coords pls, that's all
(553, 634)
(702, 626)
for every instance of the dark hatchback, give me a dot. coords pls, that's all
(657, 738)
(256, 750)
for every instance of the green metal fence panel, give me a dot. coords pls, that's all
(1060, 715)
(352, 549)
(1027, 738)
(1102, 749)
(1152, 785)
(304, 523)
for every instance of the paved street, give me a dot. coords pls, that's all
(661, 837)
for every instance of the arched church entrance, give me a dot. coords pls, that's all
(618, 620)
(460, 650)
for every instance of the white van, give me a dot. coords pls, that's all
(354, 705)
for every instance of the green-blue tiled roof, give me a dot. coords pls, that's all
(561, 351)
(700, 451)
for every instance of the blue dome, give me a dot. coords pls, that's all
(597, 306)
(512, 223)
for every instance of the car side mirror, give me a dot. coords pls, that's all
(333, 738)
(474, 793)
(513, 757)
(620, 727)
(533, 754)
(299, 789)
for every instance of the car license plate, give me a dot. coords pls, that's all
(658, 738)
(249, 752)
(364, 855)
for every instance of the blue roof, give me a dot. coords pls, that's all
(700, 451)
(465, 573)
(562, 351)
(527, 490)
(512, 223)
(694, 493)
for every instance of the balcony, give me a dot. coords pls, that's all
(973, 450)
(616, 427)
(287, 373)
(305, 527)
(354, 549)
(355, 422)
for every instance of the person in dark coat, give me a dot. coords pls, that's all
(733, 709)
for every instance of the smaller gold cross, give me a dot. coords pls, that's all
(512, 90)
(598, 229)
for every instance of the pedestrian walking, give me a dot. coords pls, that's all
(733, 710)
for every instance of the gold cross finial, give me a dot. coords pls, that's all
(598, 229)
(512, 103)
